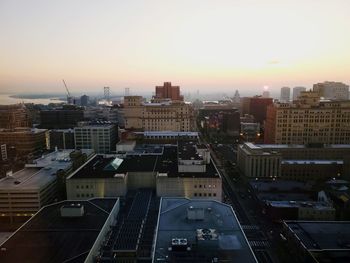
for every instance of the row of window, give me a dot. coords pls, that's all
(85, 195)
(204, 194)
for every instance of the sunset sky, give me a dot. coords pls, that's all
(206, 45)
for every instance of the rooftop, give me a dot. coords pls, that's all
(316, 235)
(48, 236)
(41, 172)
(227, 241)
(162, 160)
(279, 186)
(297, 204)
(318, 162)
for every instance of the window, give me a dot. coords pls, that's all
(214, 194)
(195, 194)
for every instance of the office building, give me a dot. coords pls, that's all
(285, 94)
(309, 120)
(24, 192)
(62, 139)
(24, 141)
(332, 90)
(256, 106)
(67, 231)
(318, 242)
(172, 170)
(100, 136)
(157, 116)
(14, 116)
(297, 91)
(296, 162)
(61, 118)
(199, 231)
(3, 151)
(84, 100)
(167, 91)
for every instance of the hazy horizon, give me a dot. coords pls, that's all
(198, 45)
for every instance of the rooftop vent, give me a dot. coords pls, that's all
(207, 234)
(179, 244)
(72, 210)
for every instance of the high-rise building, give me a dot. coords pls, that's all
(84, 100)
(332, 90)
(62, 139)
(285, 94)
(61, 118)
(24, 141)
(99, 136)
(14, 116)
(157, 116)
(309, 120)
(297, 91)
(256, 106)
(168, 92)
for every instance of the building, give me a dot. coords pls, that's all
(297, 91)
(285, 94)
(157, 116)
(114, 115)
(168, 92)
(318, 242)
(67, 231)
(296, 162)
(309, 120)
(172, 170)
(24, 141)
(256, 106)
(100, 136)
(84, 100)
(61, 118)
(24, 192)
(62, 139)
(199, 231)
(14, 116)
(250, 131)
(332, 90)
(3, 151)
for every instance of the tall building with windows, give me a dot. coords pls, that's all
(256, 106)
(297, 91)
(99, 136)
(165, 115)
(167, 91)
(332, 90)
(14, 116)
(61, 118)
(308, 120)
(285, 94)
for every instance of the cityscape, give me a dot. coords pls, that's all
(168, 146)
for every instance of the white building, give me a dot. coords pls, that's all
(285, 94)
(332, 90)
(99, 136)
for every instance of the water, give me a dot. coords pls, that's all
(5, 99)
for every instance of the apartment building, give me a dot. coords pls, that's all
(101, 136)
(158, 115)
(308, 120)
(332, 90)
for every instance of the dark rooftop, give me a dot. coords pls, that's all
(49, 237)
(164, 163)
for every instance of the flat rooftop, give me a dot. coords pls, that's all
(48, 237)
(297, 204)
(279, 186)
(163, 160)
(39, 173)
(231, 243)
(310, 162)
(316, 235)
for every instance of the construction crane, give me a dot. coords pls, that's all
(69, 97)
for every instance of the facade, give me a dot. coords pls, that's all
(256, 106)
(296, 162)
(14, 116)
(332, 90)
(3, 151)
(309, 120)
(297, 91)
(171, 170)
(24, 141)
(62, 118)
(84, 100)
(99, 136)
(62, 139)
(285, 94)
(168, 92)
(189, 230)
(24, 192)
(157, 116)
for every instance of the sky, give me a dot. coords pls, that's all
(201, 45)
